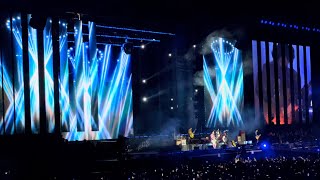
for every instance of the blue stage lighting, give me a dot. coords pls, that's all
(34, 79)
(224, 92)
(264, 145)
(48, 68)
(106, 84)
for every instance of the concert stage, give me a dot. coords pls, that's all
(160, 147)
(217, 154)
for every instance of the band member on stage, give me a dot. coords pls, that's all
(218, 138)
(213, 139)
(225, 137)
(191, 133)
(257, 135)
(218, 135)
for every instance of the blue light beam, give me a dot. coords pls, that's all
(226, 95)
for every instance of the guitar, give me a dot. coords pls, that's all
(191, 133)
(257, 136)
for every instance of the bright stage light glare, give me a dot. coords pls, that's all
(196, 90)
(144, 99)
(169, 54)
(194, 46)
(142, 46)
(171, 107)
(171, 99)
(144, 81)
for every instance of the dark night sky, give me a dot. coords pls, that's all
(171, 10)
(198, 17)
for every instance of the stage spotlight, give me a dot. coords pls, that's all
(171, 99)
(196, 90)
(38, 21)
(171, 108)
(142, 46)
(144, 81)
(194, 46)
(127, 47)
(264, 145)
(169, 54)
(144, 99)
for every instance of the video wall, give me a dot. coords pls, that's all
(282, 82)
(223, 80)
(12, 102)
(95, 91)
(95, 87)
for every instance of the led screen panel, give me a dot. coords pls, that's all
(34, 79)
(48, 75)
(100, 92)
(223, 79)
(290, 78)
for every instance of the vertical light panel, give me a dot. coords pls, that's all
(302, 83)
(264, 80)
(1, 96)
(126, 116)
(255, 78)
(224, 98)
(72, 95)
(7, 21)
(18, 74)
(86, 88)
(7, 75)
(280, 86)
(34, 79)
(94, 75)
(272, 85)
(288, 83)
(79, 75)
(64, 77)
(310, 108)
(104, 85)
(295, 85)
(48, 75)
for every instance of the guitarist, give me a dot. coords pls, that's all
(191, 136)
(257, 135)
(191, 133)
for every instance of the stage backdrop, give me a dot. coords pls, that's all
(99, 103)
(282, 82)
(223, 80)
(94, 81)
